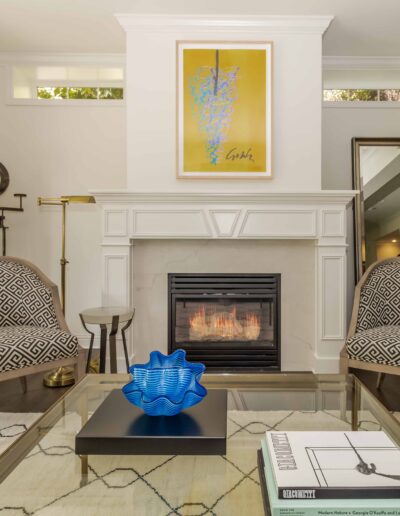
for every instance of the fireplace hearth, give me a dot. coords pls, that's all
(230, 322)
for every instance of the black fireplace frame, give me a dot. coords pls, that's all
(197, 286)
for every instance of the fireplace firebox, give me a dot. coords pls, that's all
(230, 322)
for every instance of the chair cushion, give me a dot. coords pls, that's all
(24, 298)
(24, 346)
(379, 345)
(380, 296)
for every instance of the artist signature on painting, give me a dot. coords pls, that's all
(236, 155)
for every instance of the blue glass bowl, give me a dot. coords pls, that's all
(166, 385)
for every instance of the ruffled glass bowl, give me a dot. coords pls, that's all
(166, 385)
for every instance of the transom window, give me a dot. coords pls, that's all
(365, 95)
(72, 82)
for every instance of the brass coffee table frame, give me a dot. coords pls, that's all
(319, 385)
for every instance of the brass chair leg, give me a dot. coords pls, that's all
(356, 405)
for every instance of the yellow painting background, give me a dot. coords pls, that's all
(248, 122)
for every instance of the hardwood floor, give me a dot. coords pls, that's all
(388, 394)
(39, 398)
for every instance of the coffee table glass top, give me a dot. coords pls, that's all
(41, 474)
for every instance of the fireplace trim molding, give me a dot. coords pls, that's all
(320, 216)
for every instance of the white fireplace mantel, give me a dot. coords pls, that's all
(320, 216)
(298, 197)
(308, 215)
(228, 223)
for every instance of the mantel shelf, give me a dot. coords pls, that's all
(284, 197)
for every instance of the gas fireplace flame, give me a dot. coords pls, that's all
(223, 326)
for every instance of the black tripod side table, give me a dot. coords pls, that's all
(112, 316)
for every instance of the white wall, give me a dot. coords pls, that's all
(151, 111)
(339, 126)
(52, 151)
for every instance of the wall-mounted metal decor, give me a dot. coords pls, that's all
(4, 178)
(3, 226)
(376, 174)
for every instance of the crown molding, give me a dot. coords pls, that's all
(329, 62)
(235, 23)
(361, 63)
(61, 58)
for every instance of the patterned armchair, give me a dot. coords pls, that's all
(373, 341)
(34, 336)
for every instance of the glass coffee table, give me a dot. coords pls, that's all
(40, 473)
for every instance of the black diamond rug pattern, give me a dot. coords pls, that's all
(47, 482)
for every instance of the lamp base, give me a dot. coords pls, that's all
(94, 366)
(62, 377)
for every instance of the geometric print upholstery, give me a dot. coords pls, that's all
(24, 298)
(24, 346)
(380, 297)
(379, 345)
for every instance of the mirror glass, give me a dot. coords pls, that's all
(378, 211)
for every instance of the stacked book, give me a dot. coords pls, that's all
(330, 474)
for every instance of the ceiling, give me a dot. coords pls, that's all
(360, 28)
(389, 238)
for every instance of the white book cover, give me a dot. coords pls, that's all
(334, 464)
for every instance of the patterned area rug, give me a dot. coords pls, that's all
(47, 482)
(12, 425)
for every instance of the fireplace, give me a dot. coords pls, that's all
(230, 322)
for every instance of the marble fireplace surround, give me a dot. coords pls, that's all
(317, 218)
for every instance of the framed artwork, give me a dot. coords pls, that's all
(224, 101)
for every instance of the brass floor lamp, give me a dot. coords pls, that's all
(63, 376)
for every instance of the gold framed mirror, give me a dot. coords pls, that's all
(376, 174)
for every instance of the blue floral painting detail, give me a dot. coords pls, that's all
(166, 385)
(213, 92)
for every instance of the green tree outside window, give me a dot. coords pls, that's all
(79, 93)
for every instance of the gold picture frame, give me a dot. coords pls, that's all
(224, 109)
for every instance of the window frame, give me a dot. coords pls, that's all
(53, 60)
